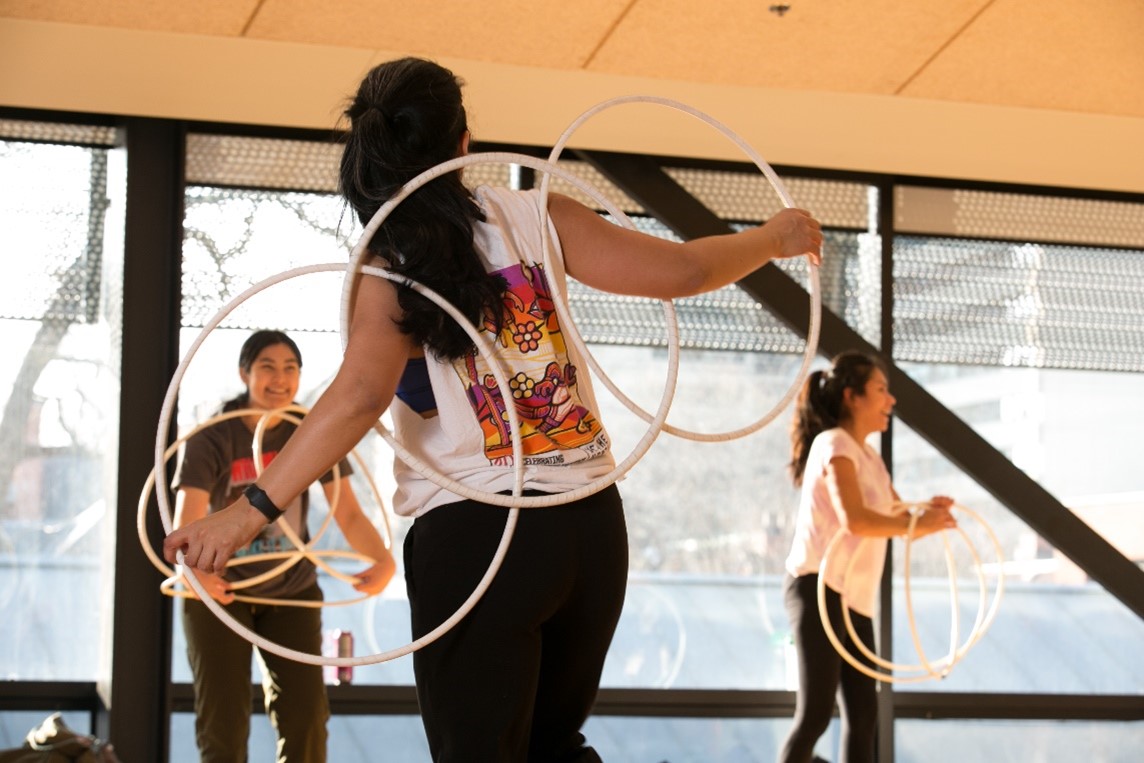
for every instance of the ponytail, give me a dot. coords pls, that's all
(820, 404)
(407, 117)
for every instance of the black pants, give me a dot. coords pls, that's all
(516, 678)
(822, 673)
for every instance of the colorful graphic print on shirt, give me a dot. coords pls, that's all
(542, 381)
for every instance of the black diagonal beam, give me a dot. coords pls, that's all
(644, 180)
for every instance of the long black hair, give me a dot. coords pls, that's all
(406, 117)
(251, 349)
(820, 403)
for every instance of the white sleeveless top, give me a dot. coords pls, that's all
(565, 445)
(817, 521)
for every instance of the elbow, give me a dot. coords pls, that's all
(855, 524)
(370, 405)
(362, 400)
(692, 279)
(698, 282)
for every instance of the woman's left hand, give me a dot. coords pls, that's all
(941, 502)
(373, 580)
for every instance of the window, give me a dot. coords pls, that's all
(59, 387)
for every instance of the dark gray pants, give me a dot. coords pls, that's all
(295, 693)
(515, 680)
(822, 674)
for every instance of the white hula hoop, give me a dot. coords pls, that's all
(164, 500)
(929, 670)
(169, 586)
(815, 291)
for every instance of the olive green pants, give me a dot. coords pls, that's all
(295, 695)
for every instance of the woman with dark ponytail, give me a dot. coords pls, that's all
(516, 678)
(845, 485)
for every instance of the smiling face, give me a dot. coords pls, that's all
(870, 411)
(273, 377)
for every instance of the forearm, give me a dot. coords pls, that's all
(930, 518)
(355, 526)
(612, 258)
(872, 524)
(725, 259)
(364, 538)
(334, 426)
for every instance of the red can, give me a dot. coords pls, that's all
(345, 649)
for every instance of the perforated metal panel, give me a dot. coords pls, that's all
(1005, 304)
(590, 174)
(750, 197)
(245, 162)
(57, 132)
(956, 301)
(227, 228)
(234, 238)
(54, 198)
(1021, 217)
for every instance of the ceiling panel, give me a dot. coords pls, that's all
(1051, 54)
(210, 17)
(544, 33)
(1061, 55)
(870, 46)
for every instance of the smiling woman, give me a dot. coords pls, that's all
(217, 465)
(271, 369)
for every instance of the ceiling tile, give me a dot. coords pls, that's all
(543, 33)
(870, 46)
(1050, 54)
(209, 17)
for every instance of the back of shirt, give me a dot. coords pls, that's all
(468, 438)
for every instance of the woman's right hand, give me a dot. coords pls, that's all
(935, 517)
(795, 232)
(217, 587)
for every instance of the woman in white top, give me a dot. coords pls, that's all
(845, 485)
(516, 678)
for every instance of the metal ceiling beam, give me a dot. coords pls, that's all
(644, 180)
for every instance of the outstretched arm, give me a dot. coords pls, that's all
(613, 258)
(363, 388)
(856, 517)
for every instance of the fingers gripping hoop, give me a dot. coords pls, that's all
(925, 669)
(578, 341)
